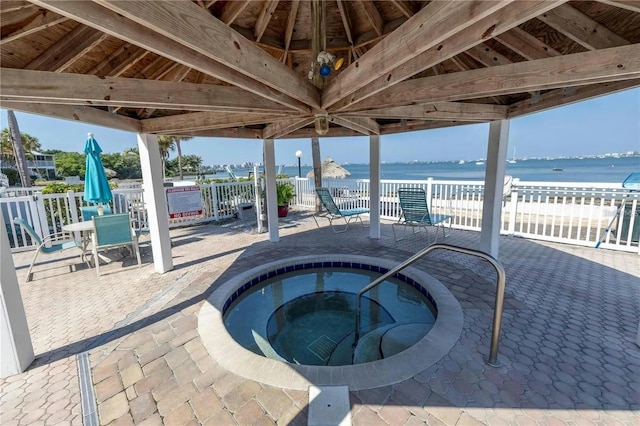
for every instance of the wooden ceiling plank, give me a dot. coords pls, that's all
(526, 45)
(438, 111)
(487, 56)
(291, 22)
(232, 10)
(615, 64)
(632, 5)
(405, 7)
(125, 65)
(282, 128)
(125, 57)
(264, 18)
(112, 23)
(185, 23)
(364, 125)
(83, 114)
(581, 28)
(373, 15)
(198, 121)
(345, 20)
(555, 98)
(41, 22)
(7, 6)
(67, 50)
(412, 126)
(49, 87)
(344, 91)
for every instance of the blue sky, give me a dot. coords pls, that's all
(598, 126)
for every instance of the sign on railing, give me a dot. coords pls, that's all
(184, 201)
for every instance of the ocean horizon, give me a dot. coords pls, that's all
(606, 170)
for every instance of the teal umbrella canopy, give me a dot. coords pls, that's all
(96, 185)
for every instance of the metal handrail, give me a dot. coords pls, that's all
(500, 285)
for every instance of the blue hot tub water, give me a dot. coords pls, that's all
(308, 316)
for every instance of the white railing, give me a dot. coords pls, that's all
(567, 212)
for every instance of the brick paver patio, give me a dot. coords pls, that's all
(567, 350)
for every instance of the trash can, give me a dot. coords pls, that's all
(626, 221)
(246, 211)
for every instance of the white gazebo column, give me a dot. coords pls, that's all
(493, 186)
(155, 202)
(374, 186)
(270, 179)
(16, 350)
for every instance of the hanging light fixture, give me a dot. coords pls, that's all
(322, 124)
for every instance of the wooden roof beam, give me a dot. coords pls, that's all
(7, 6)
(581, 28)
(42, 21)
(615, 64)
(282, 128)
(632, 5)
(373, 15)
(263, 19)
(66, 88)
(83, 114)
(184, 23)
(405, 7)
(112, 23)
(291, 22)
(437, 111)
(197, 121)
(232, 10)
(67, 50)
(364, 125)
(526, 45)
(124, 58)
(450, 41)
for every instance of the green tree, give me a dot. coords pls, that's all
(30, 143)
(171, 143)
(166, 145)
(15, 147)
(70, 164)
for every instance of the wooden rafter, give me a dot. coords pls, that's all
(526, 45)
(232, 10)
(581, 28)
(291, 21)
(373, 15)
(487, 56)
(615, 64)
(346, 89)
(42, 21)
(235, 133)
(67, 50)
(632, 5)
(263, 19)
(282, 128)
(179, 75)
(65, 88)
(405, 7)
(96, 16)
(7, 6)
(346, 23)
(83, 114)
(555, 98)
(125, 57)
(197, 121)
(183, 22)
(364, 125)
(438, 111)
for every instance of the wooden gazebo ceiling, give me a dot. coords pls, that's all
(240, 68)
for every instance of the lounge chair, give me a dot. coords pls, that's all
(52, 243)
(113, 230)
(415, 213)
(333, 212)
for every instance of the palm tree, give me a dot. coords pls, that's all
(18, 149)
(171, 143)
(166, 145)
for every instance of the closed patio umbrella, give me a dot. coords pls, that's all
(96, 185)
(331, 170)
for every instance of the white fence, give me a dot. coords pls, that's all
(573, 212)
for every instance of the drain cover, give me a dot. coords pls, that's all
(322, 347)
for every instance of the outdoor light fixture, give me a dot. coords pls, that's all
(322, 124)
(299, 155)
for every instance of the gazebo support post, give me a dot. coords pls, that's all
(270, 178)
(16, 350)
(374, 186)
(155, 202)
(493, 186)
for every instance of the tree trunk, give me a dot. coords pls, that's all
(317, 169)
(16, 140)
(179, 158)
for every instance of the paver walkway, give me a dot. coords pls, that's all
(568, 347)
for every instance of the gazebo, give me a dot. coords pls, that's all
(311, 68)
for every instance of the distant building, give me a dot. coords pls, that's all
(42, 165)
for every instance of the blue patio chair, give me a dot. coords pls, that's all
(113, 230)
(333, 212)
(415, 213)
(52, 243)
(89, 212)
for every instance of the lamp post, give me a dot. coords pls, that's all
(299, 155)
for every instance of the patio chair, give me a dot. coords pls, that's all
(333, 212)
(415, 213)
(90, 211)
(52, 243)
(113, 230)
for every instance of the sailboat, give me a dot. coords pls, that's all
(513, 159)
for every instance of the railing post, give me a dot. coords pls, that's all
(513, 207)
(73, 212)
(430, 193)
(214, 201)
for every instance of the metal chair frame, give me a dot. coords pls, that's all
(333, 212)
(415, 213)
